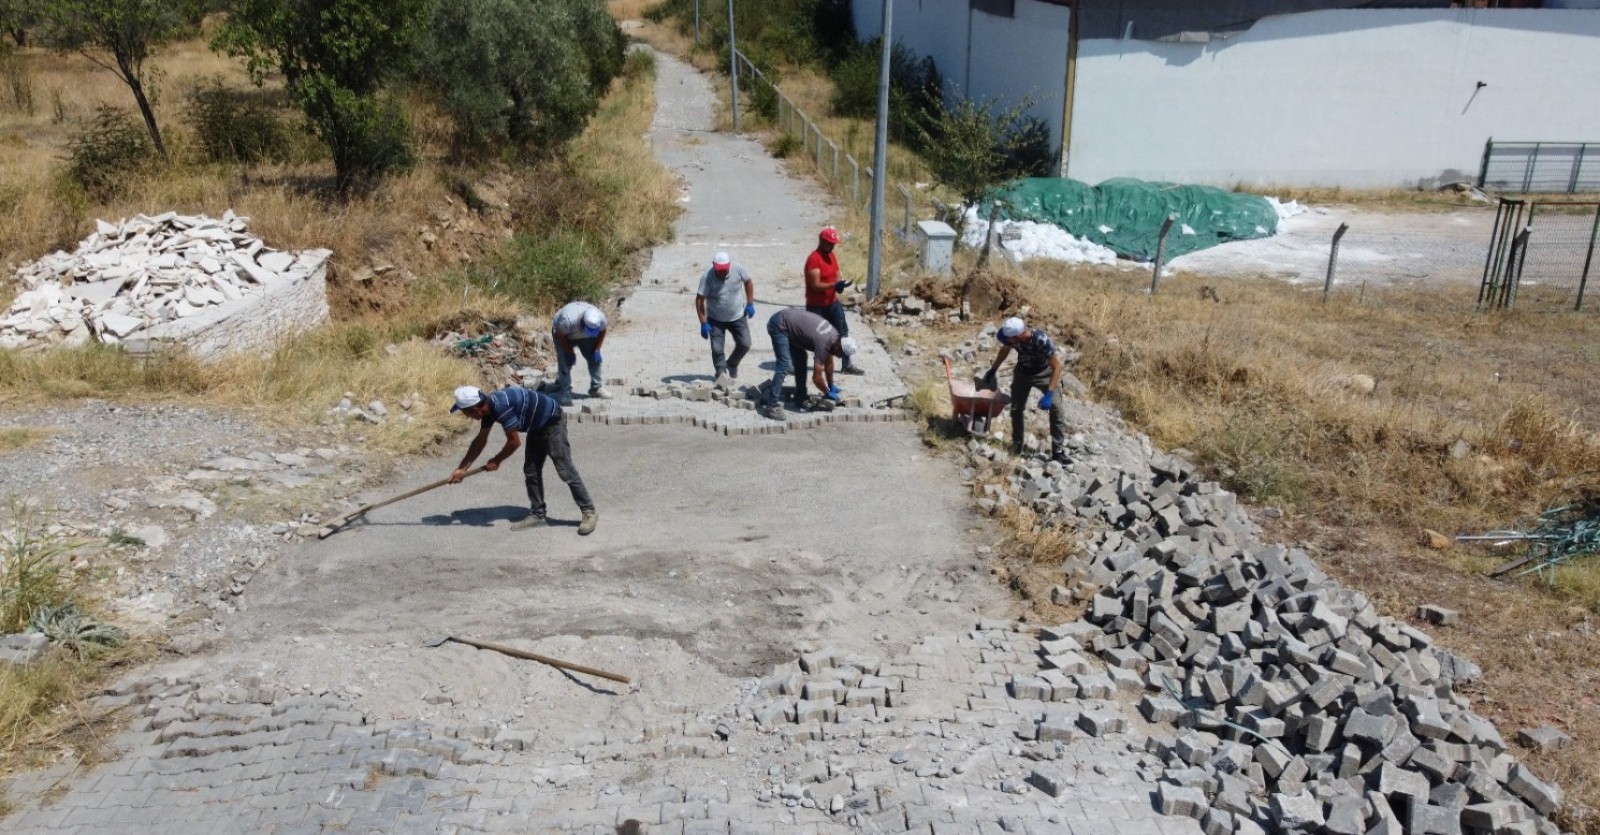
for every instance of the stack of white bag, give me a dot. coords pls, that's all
(144, 272)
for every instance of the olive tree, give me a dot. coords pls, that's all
(119, 35)
(335, 57)
(524, 73)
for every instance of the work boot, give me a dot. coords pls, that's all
(772, 411)
(854, 370)
(532, 520)
(600, 392)
(1060, 458)
(590, 519)
(724, 380)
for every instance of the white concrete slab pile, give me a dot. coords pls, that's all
(169, 279)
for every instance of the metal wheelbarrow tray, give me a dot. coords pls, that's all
(972, 406)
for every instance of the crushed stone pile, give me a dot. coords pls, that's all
(1300, 708)
(143, 272)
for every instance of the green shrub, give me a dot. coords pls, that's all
(542, 272)
(234, 125)
(763, 89)
(510, 72)
(32, 569)
(916, 90)
(368, 135)
(104, 155)
(785, 145)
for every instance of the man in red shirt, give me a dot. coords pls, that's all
(823, 287)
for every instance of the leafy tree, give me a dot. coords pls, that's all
(527, 73)
(972, 147)
(119, 35)
(335, 57)
(17, 17)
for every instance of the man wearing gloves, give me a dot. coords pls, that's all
(578, 327)
(519, 411)
(725, 300)
(1038, 367)
(823, 287)
(794, 333)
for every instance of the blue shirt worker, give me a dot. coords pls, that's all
(579, 327)
(1038, 367)
(518, 411)
(725, 301)
(795, 333)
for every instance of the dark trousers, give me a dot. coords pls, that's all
(1024, 384)
(834, 313)
(740, 328)
(787, 358)
(551, 442)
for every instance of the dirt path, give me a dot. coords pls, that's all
(715, 556)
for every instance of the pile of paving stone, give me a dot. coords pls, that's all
(143, 272)
(1300, 708)
(744, 397)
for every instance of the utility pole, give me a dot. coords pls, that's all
(880, 160)
(733, 67)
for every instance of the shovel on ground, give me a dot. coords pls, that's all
(531, 656)
(340, 521)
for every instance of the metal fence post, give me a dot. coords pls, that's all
(905, 224)
(1333, 260)
(1583, 281)
(1161, 248)
(855, 179)
(820, 139)
(1514, 264)
(1483, 168)
(835, 149)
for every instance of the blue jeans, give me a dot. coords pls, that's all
(788, 358)
(564, 368)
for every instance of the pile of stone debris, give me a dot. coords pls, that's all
(1301, 708)
(144, 272)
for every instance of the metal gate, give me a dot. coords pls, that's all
(1540, 167)
(1540, 254)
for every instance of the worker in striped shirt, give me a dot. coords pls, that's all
(520, 411)
(1039, 368)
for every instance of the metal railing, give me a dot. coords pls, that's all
(1540, 253)
(851, 178)
(1541, 167)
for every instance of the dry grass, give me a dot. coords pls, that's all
(15, 438)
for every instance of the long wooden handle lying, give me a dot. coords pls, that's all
(543, 659)
(339, 522)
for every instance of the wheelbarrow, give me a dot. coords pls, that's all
(973, 407)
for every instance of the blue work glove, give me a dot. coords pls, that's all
(833, 393)
(597, 356)
(1047, 400)
(750, 310)
(840, 286)
(705, 330)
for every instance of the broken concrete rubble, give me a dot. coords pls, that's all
(168, 278)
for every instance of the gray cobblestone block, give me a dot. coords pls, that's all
(1543, 738)
(1493, 817)
(1049, 780)
(1156, 708)
(1057, 728)
(1194, 748)
(813, 710)
(1427, 819)
(1125, 680)
(819, 690)
(1273, 758)
(1070, 663)
(1094, 686)
(1365, 727)
(1181, 801)
(1438, 767)
(1301, 812)
(1099, 722)
(1030, 687)
(1543, 797)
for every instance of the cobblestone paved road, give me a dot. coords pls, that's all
(914, 725)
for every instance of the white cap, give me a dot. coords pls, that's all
(593, 320)
(720, 261)
(1012, 327)
(466, 398)
(847, 346)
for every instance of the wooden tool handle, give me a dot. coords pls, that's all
(543, 659)
(337, 522)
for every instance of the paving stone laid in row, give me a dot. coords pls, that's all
(935, 740)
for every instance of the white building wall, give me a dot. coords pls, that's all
(1355, 98)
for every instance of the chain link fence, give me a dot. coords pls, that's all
(851, 178)
(1540, 255)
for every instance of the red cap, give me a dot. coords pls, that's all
(829, 234)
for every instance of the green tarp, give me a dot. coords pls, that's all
(1126, 215)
